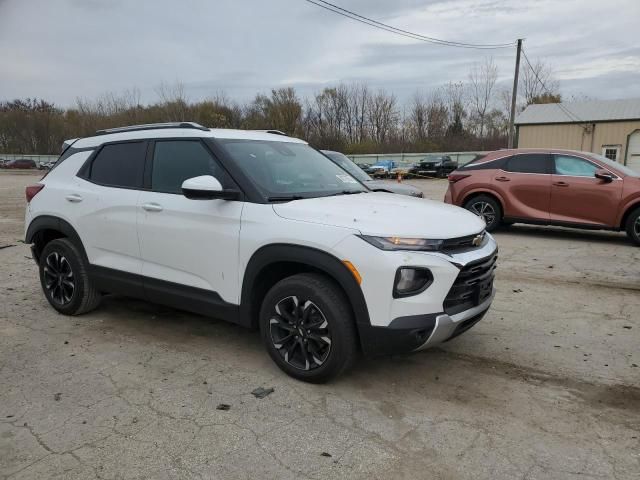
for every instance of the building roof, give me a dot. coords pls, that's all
(579, 112)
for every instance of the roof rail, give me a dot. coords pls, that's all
(275, 132)
(152, 126)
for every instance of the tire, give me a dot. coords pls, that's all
(487, 208)
(331, 341)
(65, 280)
(633, 226)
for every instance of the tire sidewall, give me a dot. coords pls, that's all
(633, 218)
(335, 313)
(65, 248)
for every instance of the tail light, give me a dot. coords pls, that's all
(456, 177)
(32, 190)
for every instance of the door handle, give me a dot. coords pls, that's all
(152, 207)
(503, 179)
(561, 184)
(73, 198)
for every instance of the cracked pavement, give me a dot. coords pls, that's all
(543, 388)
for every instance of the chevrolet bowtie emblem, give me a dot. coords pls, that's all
(477, 240)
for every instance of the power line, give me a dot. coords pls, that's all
(388, 28)
(562, 107)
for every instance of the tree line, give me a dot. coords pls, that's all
(352, 118)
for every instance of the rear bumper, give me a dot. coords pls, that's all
(419, 332)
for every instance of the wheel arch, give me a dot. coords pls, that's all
(271, 263)
(45, 228)
(490, 193)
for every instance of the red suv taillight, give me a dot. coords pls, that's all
(32, 190)
(456, 177)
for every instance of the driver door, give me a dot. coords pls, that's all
(191, 243)
(577, 196)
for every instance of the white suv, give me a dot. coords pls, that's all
(261, 230)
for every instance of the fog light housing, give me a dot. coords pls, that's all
(411, 281)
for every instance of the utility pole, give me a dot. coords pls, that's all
(514, 95)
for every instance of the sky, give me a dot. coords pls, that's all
(61, 50)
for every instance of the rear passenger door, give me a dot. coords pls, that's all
(189, 243)
(525, 185)
(103, 203)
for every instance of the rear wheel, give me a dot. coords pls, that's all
(307, 327)
(486, 208)
(633, 226)
(65, 280)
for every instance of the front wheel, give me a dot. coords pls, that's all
(486, 208)
(307, 327)
(633, 226)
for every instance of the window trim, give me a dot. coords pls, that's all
(548, 167)
(85, 171)
(597, 165)
(148, 173)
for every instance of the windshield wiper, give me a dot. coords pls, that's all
(285, 198)
(347, 192)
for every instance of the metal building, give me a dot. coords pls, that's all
(607, 127)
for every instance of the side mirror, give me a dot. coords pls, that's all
(604, 175)
(207, 187)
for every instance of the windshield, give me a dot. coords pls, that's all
(615, 165)
(346, 163)
(432, 158)
(289, 171)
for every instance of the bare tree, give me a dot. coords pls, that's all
(533, 81)
(482, 80)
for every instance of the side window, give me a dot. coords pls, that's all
(119, 165)
(174, 161)
(574, 166)
(528, 163)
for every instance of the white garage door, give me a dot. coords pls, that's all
(633, 157)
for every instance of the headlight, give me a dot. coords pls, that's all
(399, 243)
(411, 281)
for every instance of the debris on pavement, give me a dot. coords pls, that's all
(325, 454)
(223, 406)
(57, 397)
(262, 392)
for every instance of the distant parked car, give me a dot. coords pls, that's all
(549, 187)
(375, 185)
(46, 165)
(382, 168)
(20, 163)
(434, 166)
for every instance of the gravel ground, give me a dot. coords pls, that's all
(545, 387)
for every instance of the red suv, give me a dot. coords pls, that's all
(549, 187)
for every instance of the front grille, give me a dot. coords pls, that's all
(473, 286)
(456, 245)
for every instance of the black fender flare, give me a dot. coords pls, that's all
(49, 222)
(312, 257)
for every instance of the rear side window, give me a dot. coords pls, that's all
(119, 165)
(174, 161)
(528, 163)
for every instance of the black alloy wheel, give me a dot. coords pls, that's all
(65, 279)
(300, 333)
(307, 326)
(59, 281)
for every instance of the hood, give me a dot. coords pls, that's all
(394, 187)
(385, 214)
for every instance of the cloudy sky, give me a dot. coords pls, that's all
(63, 49)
